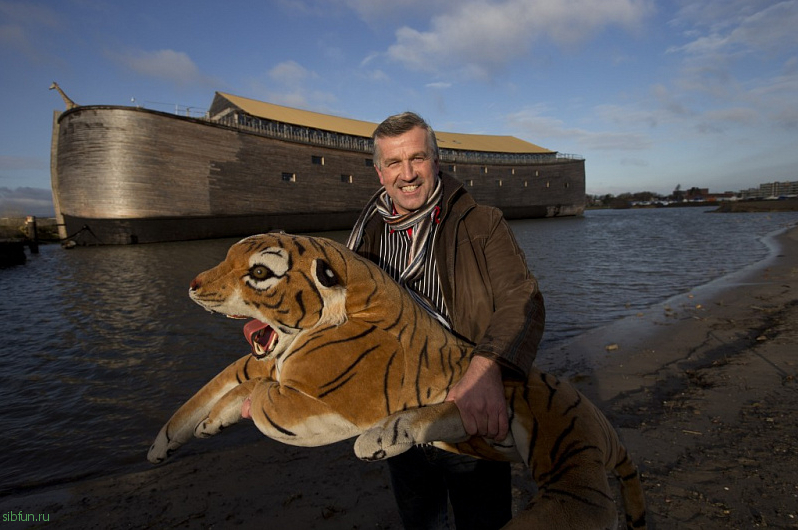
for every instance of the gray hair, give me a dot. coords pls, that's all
(397, 125)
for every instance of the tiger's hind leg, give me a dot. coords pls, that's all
(402, 430)
(579, 499)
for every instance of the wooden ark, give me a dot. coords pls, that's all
(125, 175)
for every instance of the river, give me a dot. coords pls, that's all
(99, 345)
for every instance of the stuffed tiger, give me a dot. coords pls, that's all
(340, 350)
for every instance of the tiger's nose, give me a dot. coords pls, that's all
(195, 284)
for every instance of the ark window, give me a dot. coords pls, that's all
(452, 168)
(289, 177)
(369, 162)
(317, 160)
(347, 179)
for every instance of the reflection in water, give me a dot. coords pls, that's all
(100, 345)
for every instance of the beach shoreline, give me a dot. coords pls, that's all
(702, 389)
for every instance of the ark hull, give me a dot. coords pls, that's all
(162, 229)
(124, 175)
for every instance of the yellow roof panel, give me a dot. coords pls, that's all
(316, 120)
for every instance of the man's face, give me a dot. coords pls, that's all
(407, 169)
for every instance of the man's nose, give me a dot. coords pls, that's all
(408, 172)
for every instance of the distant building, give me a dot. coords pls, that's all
(778, 189)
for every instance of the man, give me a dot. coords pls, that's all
(460, 261)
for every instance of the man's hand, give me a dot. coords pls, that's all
(479, 396)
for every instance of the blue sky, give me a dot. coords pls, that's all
(653, 94)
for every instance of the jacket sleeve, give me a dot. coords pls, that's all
(516, 325)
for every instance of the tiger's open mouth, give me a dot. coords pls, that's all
(261, 337)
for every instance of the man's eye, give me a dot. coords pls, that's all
(259, 272)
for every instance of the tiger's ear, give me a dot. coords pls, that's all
(325, 275)
(333, 294)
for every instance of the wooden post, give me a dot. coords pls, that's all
(32, 233)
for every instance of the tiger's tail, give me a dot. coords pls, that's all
(634, 502)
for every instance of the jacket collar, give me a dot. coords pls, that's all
(456, 200)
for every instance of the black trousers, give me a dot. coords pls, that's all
(425, 478)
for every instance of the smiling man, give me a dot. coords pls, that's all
(461, 262)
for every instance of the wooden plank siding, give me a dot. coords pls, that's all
(126, 175)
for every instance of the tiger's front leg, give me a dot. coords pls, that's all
(402, 430)
(181, 426)
(226, 411)
(291, 416)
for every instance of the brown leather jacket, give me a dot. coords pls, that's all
(492, 298)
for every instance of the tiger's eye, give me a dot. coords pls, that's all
(259, 272)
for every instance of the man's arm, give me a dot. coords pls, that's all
(479, 396)
(511, 338)
(515, 328)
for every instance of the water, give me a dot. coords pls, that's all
(100, 345)
(615, 263)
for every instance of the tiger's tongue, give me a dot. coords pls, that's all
(252, 331)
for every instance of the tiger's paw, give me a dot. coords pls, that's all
(218, 419)
(226, 411)
(162, 448)
(384, 440)
(208, 427)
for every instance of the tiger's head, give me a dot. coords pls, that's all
(287, 283)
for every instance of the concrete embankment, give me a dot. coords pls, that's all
(784, 205)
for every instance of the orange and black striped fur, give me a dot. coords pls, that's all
(344, 351)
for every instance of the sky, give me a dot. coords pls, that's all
(653, 94)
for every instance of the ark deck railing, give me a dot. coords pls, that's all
(309, 136)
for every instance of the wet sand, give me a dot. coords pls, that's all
(702, 389)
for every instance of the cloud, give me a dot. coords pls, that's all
(533, 124)
(20, 22)
(170, 65)
(26, 201)
(374, 74)
(627, 118)
(378, 75)
(730, 66)
(728, 26)
(478, 38)
(733, 115)
(290, 73)
(633, 162)
(296, 83)
(376, 12)
(8, 162)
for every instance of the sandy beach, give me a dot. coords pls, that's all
(702, 389)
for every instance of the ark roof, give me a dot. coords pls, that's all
(326, 122)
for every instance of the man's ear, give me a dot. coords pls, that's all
(379, 174)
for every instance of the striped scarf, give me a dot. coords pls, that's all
(420, 221)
